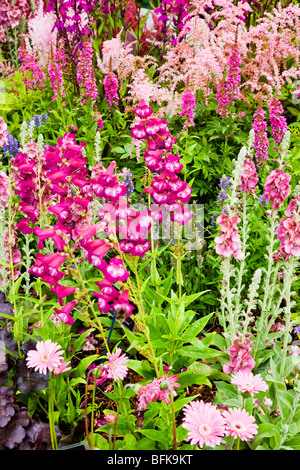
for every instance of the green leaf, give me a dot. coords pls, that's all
(80, 370)
(155, 435)
(195, 328)
(188, 378)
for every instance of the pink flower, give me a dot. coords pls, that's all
(204, 422)
(278, 122)
(64, 313)
(277, 187)
(240, 424)
(249, 177)
(111, 89)
(247, 382)
(3, 132)
(188, 106)
(4, 188)
(228, 243)
(46, 357)
(115, 367)
(261, 143)
(116, 271)
(61, 368)
(148, 393)
(240, 357)
(166, 386)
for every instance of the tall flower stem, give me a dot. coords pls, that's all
(231, 319)
(173, 419)
(140, 304)
(288, 279)
(51, 413)
(268, 290)
(244, 246)
(89, 302)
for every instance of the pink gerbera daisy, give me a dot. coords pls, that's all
(204, 423)
(148, 393)
(46, 357)
(247, 382)
(115, 367)
(240, 424)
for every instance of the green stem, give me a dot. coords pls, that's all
(173, 419)
(288, 283)
(51, 414)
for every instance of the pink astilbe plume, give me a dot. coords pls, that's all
(42, 34)
(204, 422)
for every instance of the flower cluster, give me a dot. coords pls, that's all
(249, 178)
(228, 243)
(207, 425)
(47, 356)
(11, 13)
(228, 92)
(159, 389)
(30, 64)
(3, 133)
(261, 142)
(288, 231)
(56, 69)
(278, 121)
(85, 73)
(166, 189)
(111, 89)
(188, 107)
(277, 187)
(240, 357)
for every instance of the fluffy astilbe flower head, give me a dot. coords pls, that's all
(240, 424)
(205, 424)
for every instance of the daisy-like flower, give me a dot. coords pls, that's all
(148, 393)
(115, 367)
(247, 382)
(46, 357)
(204, 423)
(166, 385)
(240, 424)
